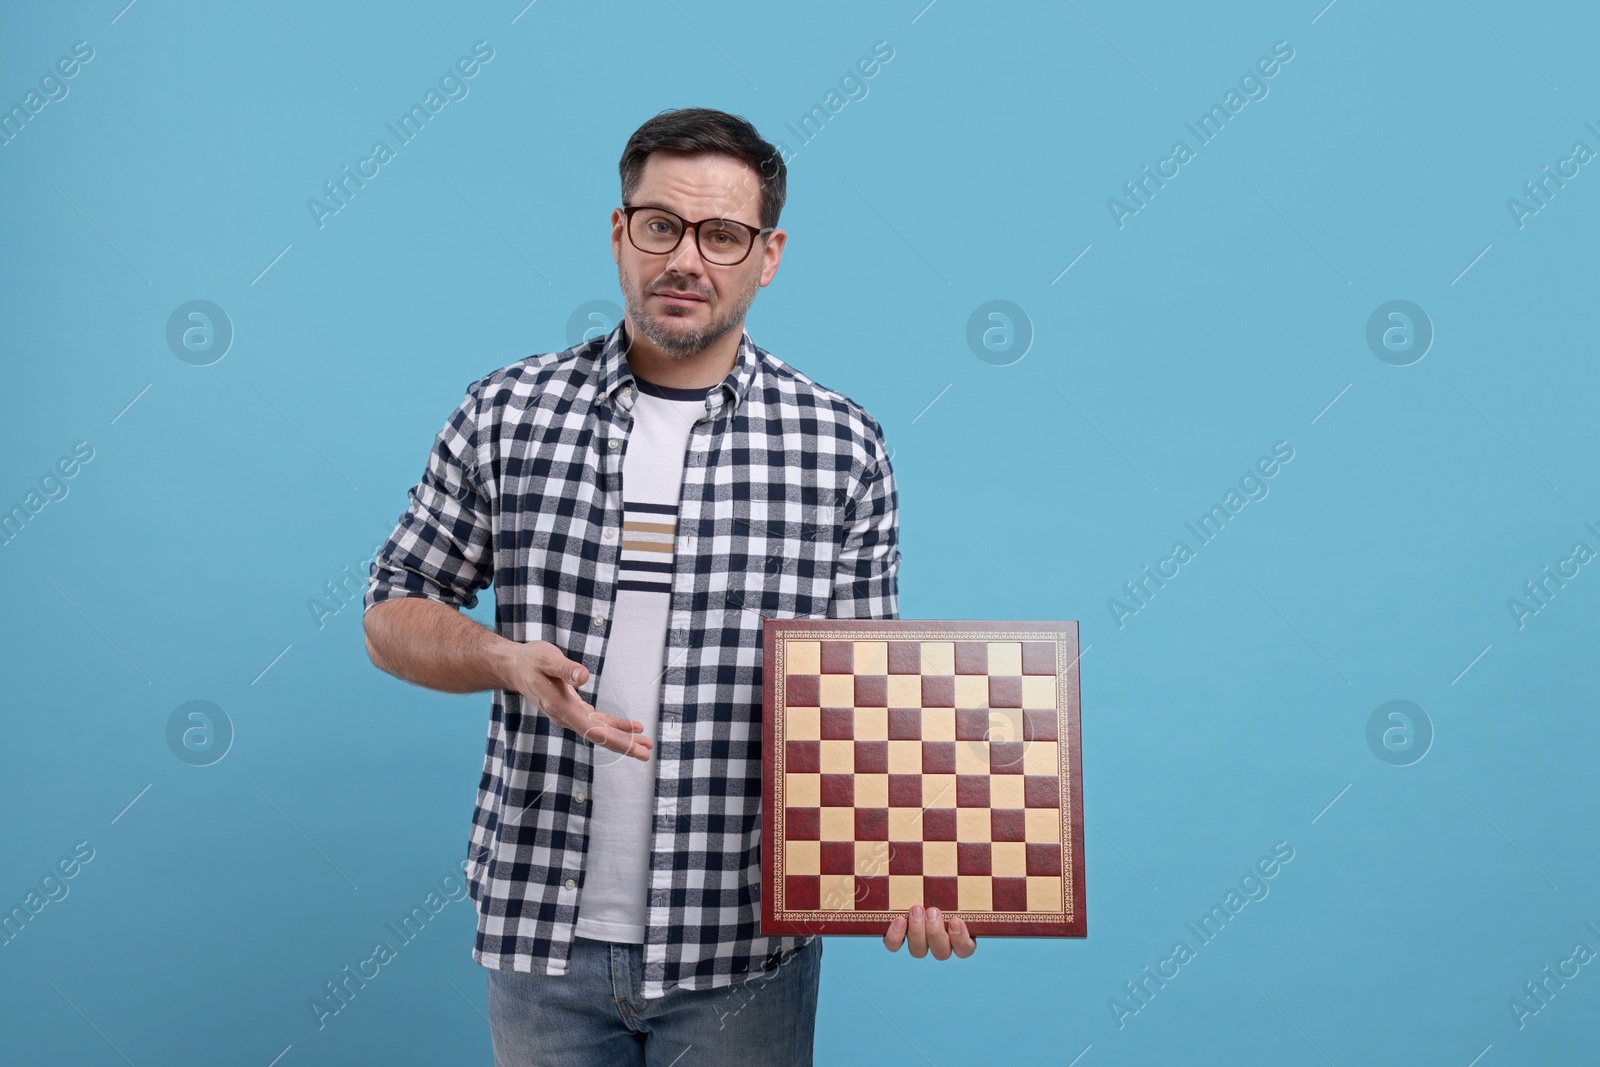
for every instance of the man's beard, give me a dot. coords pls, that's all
(676, 343)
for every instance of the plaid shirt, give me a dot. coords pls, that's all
(788, 509)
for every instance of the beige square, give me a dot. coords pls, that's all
(905, 824)
(938, 657)
(838, 757)
(1005, 657)
(905, 757)
(905, 890)
(802, 857)
(1041, 757)
(838, 892)
(1006, 791)
(872, 657)
(938, 724)
(972, 824)
(1038, 691)
(872, 790)
(1041, 825)
(871, 724)
(802, 790)
(1009, 859)
(1005, 724)
(802, 724)
(972, 757)
(838, 824)
(972, 691)
(974, 892)
(905, 690)
(938, 790)
(872, 858)
(802, 657)
(939, 857)
(1044, 894)
(838, 690)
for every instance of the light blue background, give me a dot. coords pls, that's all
(1222, 318)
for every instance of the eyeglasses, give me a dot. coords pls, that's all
(724, 242)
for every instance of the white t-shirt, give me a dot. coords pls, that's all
(611, 906)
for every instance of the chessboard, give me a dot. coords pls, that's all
(921, 762)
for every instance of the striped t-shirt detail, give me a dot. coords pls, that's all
(648, 533)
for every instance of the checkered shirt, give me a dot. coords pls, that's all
(788, 509)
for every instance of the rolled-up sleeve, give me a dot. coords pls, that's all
(441, 548)
(866, 577)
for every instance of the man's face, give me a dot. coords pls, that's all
(679, 301)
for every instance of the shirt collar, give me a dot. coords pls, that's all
(613, 374)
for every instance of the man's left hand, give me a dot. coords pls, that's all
(927, 931)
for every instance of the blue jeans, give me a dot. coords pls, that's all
(593, 1016)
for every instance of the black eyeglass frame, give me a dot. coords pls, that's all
(627, 227)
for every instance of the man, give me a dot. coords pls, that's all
(641, 502)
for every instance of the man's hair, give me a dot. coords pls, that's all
(698, 130)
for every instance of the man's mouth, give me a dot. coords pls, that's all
(678, 298)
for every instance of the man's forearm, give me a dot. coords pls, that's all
(433, 645)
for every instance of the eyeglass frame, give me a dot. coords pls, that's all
(627, 228)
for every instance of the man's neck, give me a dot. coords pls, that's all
(707, 367)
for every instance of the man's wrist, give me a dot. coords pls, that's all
(502, 658)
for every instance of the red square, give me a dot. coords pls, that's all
(939, 824)
(872, 691)
(938, 757)
(1038, 657)
(1039, 724)
(1005, 757)
(838, 790)
(838, 857)
(802, 757)
(1010, 894)
(1007, 824)
(872, 892)
(972, 657)
(938, 691)
(939, 893)
(838, 657)
(905, 790)
(905, 857)
(1005, 692)
(905, 657)
(802, 824)
(838, 724)
(802, 891)
(1044, 859)
(972, 724)
(972, 857)
(905, 724)
(872, 757)
(872, 824)
(1039, 791)
(802, 690)
(972, 791)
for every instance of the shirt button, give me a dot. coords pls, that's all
(613, 444)
(609, 534)
(580, 797)
(570, 883)
(599, 620)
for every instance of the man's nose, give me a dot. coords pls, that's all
(686, 259)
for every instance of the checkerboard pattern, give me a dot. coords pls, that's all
(921, 772)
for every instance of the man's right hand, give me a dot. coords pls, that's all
(548, 679)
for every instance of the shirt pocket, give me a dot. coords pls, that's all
(782, 566)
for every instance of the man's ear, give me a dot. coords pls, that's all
(772, 255)
(618, 220)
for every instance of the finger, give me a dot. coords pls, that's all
(896, 935)
(961, 941)
(938, 937)
(917, 932)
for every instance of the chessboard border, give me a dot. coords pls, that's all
(1071, 920)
